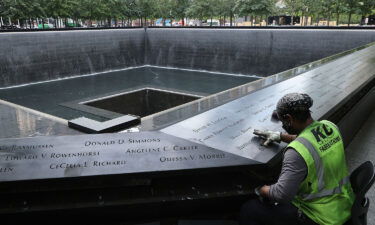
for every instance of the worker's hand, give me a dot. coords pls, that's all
(270, 136)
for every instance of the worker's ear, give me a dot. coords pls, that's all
(288, 118)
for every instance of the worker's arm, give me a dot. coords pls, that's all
(293, 172)
(287, 138)
(274, 136)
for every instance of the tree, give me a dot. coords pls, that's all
(254, 7)
(112, 9)
(366, 8)
(293, 7)
(352, 6)
(327, 8)
(15, 9)
(316, 10)
(145, 9)
(76, 12)
(60, 9)
(339, 8)
(2, 8)
(164, 9)
(93, 9)
(129, 10)
(226, 8)
(179, 9)
(201, 9)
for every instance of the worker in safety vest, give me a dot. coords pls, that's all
(313, 186)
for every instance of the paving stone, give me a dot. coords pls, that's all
(362, 149)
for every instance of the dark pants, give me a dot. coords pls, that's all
(255, 212)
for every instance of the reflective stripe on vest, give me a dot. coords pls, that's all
(317, 161)
(320, 173)
(323, 193)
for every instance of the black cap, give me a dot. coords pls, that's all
(293, 103)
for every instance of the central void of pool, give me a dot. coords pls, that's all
(140, 91)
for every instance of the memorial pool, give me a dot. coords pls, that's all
(199, 157)
(66, 98)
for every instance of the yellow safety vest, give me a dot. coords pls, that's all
(325, 196)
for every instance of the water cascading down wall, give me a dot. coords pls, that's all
(39, 56)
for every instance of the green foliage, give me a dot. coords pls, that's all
(145, 8)
(60, 8)
(163, 9)
(366, 7)
(202, 9)
(226, 7)
(178, 9)
(22, 9)
(2, 8)
(254, 7)
(92, 9)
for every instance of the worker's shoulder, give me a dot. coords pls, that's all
(292, 154)
(327, 122)
(294, 158)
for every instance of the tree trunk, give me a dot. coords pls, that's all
(350, 18)
(43, 23)
(337, 19)
(291, 20)
(363, 19)
(231, 20)
(211, 22)
(329, 19)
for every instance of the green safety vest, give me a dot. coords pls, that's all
(325, 196)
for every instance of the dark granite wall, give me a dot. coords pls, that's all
(248, 51)
(38, 56)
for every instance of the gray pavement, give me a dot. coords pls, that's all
(361, 149)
